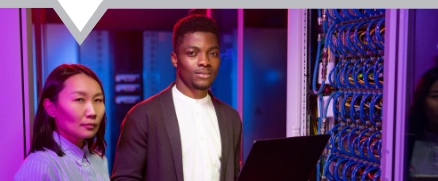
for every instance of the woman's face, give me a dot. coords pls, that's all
(432, 106)
(79, 109)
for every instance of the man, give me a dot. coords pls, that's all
(183, 132)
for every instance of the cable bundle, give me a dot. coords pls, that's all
(353, 40)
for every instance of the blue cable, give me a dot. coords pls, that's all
(330, 76)
(357, 72)
(338, 16)
(354, 43)
(356, 169)
(381, 11)
(344, 100)
(370, 12)
(329, 41)
(370, 41)
(341, 46)
(336, 168)
(376, 78)
(348, 152)
(350, 46)
(377, 175)
(379, 144)
(324, 115)
(349, 15)
(325, 26)
(341, 142)
(365, 77)
(353, 112)
(359, 14)
(335, 111)
(349, 72)
(356, 38)
(330, 145)
(362, 114)
(315, 71)
(351, 145)
(332, 139)
(359, 145)
(372, 105)
(327, 173)
(341, 73)
(379, 38)
(345, 75)
(367, 170)
(346, 167)
(369, 150)
(362, 148)
(317, 171)
(329, 16)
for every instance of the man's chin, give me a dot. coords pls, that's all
(201, 86)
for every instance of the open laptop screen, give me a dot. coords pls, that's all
(292, 158)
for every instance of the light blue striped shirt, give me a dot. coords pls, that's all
(77, 164)
(425, 156)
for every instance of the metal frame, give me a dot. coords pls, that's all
(296, 115)
(394, 99)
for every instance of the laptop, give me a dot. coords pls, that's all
(287, 159)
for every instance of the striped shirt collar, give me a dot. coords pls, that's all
(70, 149)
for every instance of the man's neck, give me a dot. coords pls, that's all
(192, 93)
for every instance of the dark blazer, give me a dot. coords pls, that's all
(149, 146)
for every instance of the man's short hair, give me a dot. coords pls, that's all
(191, 24)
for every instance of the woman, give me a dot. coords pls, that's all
(68, 133)
(424, 126)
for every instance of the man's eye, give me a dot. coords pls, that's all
(191, 54)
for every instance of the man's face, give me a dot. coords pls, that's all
(197, 60)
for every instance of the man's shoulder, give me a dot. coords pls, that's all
(228, 109)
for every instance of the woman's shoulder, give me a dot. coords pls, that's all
(36, 165)
(46, 156)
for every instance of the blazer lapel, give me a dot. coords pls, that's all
(172, 128)
(223, 129)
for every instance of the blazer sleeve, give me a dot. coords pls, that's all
(237, 145)
(130, 158)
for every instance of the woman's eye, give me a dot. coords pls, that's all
(80, 99)
(99, 100)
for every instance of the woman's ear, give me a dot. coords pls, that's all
(174, 59)
(49, 106)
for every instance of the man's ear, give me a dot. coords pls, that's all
(174, 59)
(49, 106)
